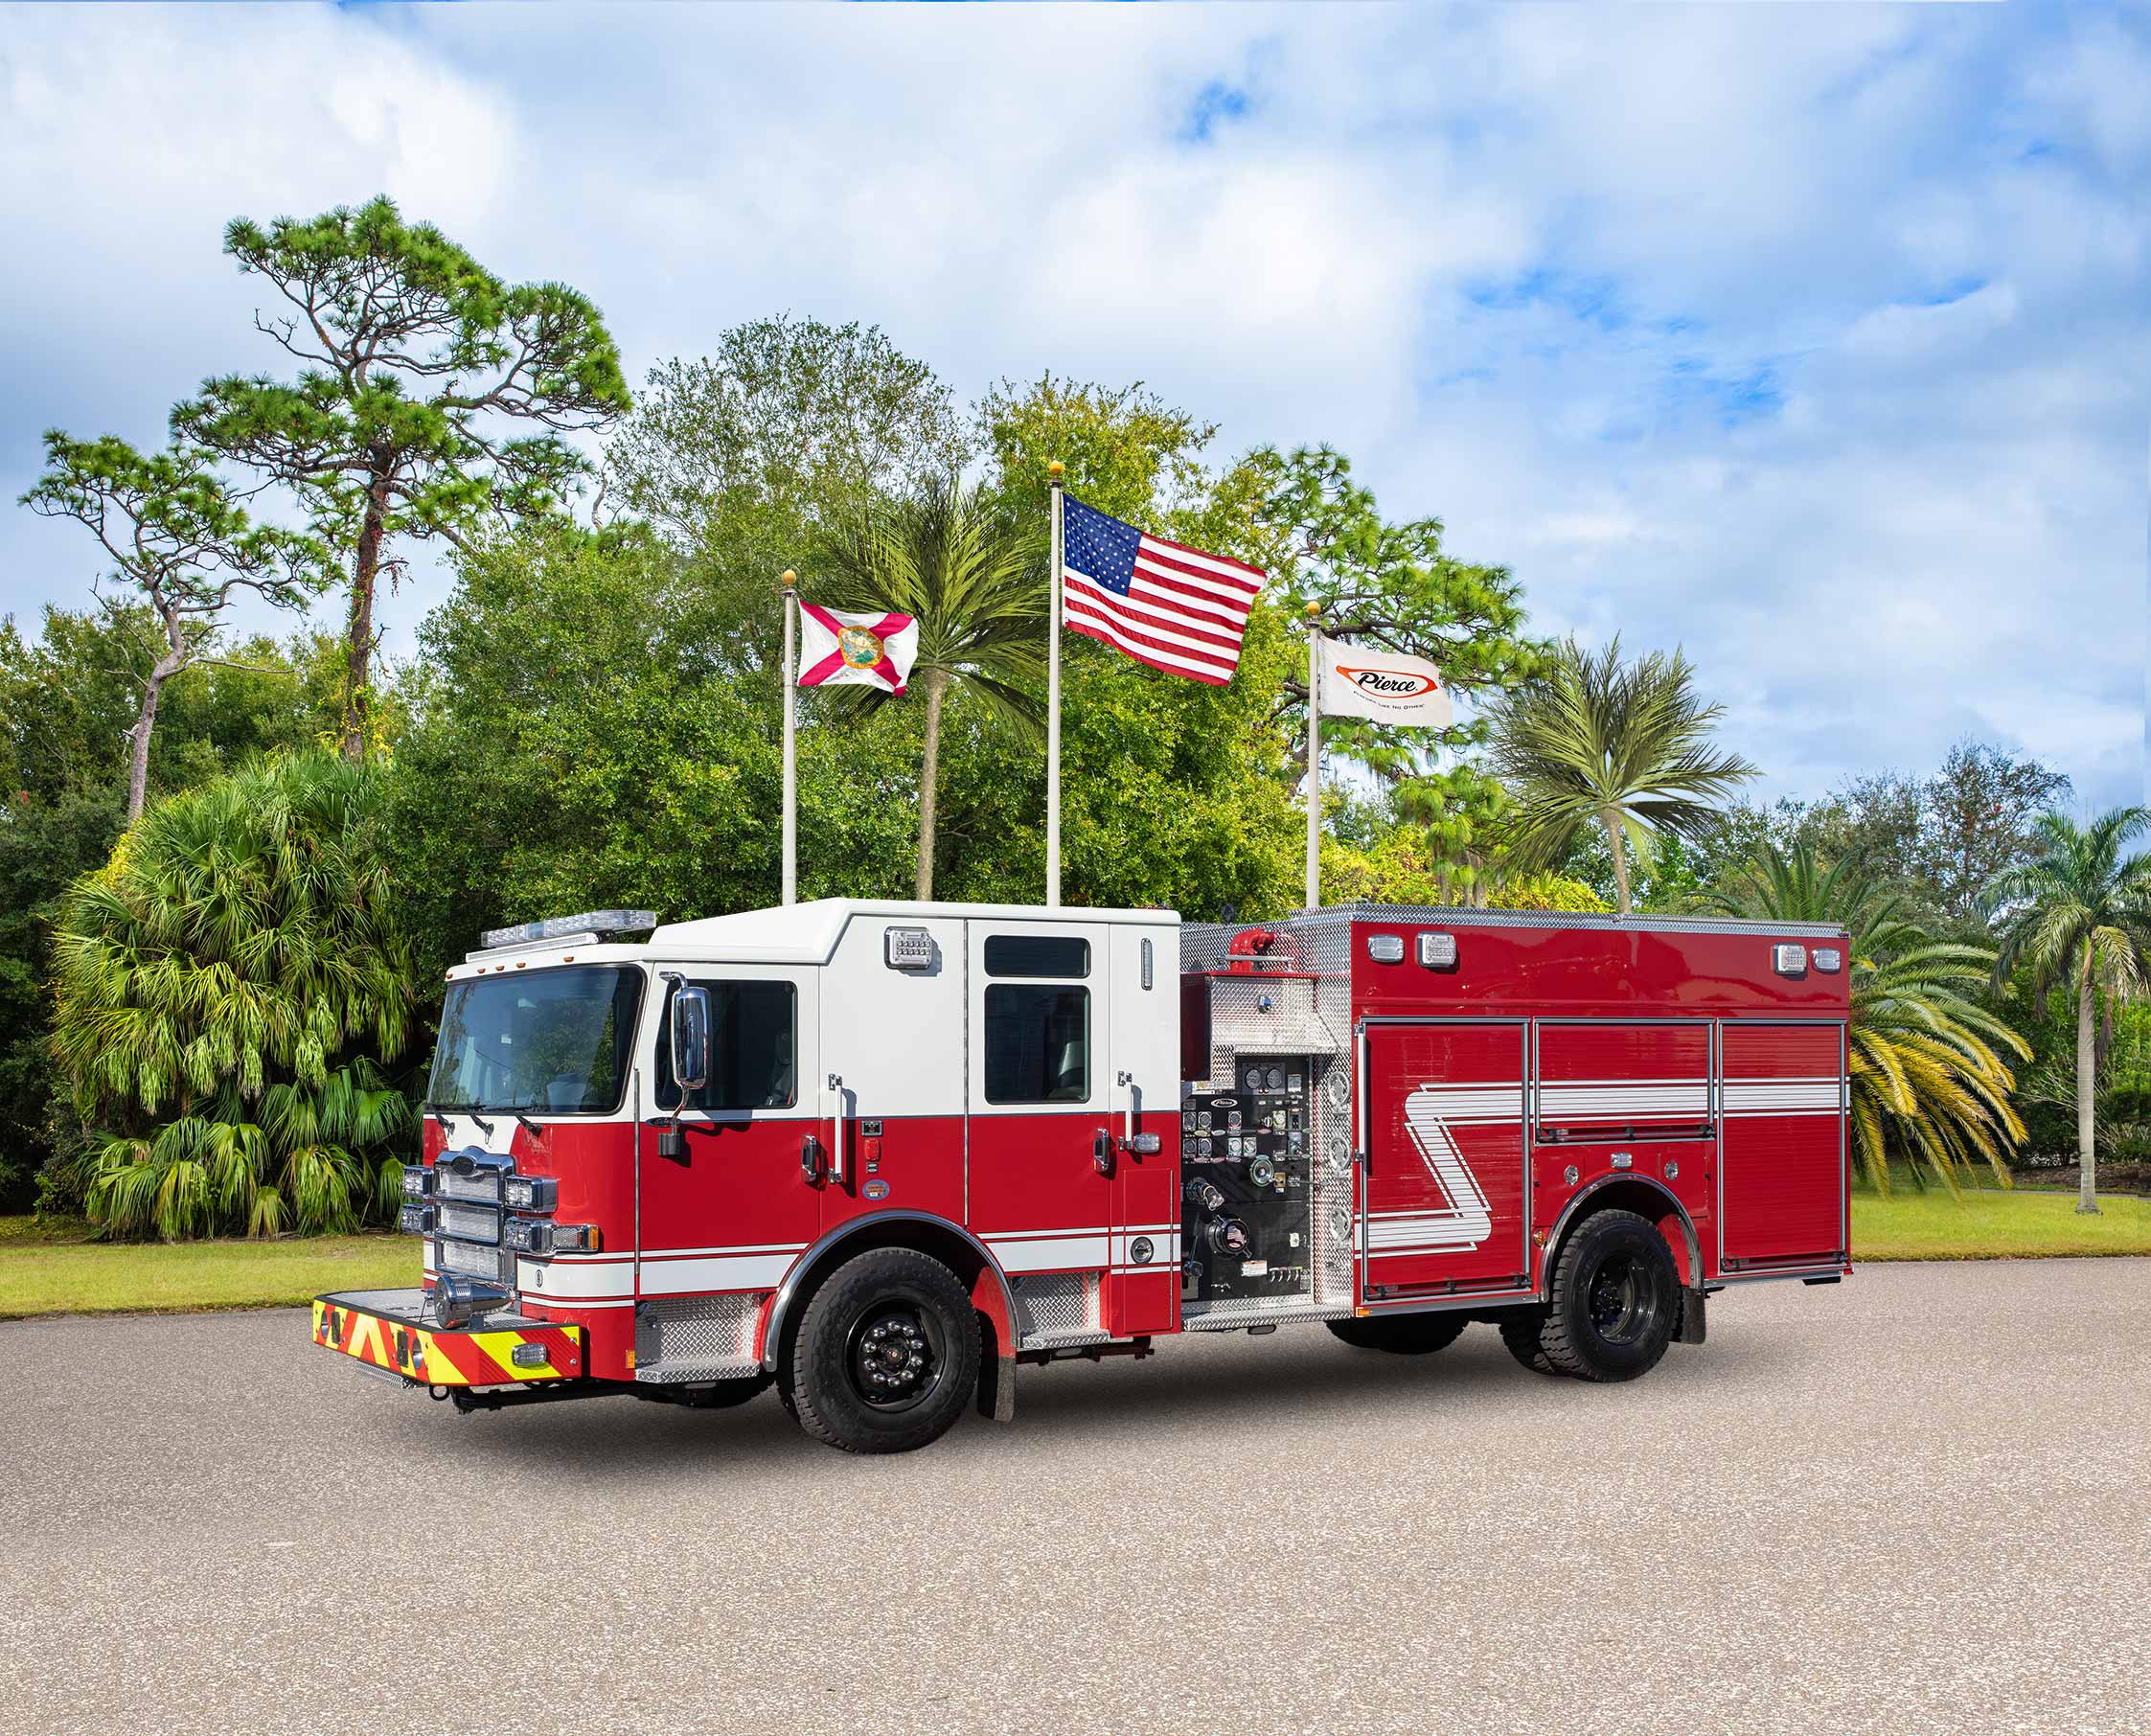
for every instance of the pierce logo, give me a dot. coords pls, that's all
(1389, 683)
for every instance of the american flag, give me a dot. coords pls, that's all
(1163, 603)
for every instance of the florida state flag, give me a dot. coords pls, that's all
(870, 650)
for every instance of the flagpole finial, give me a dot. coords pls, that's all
(789, 579)
(1055, 469)
(1313, 609)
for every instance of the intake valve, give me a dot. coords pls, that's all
(1228, 1234)
(1204, 1194)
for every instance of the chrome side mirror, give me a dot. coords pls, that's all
(691, 1040)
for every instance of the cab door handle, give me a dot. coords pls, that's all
(811, 1160)
(1101, 1151)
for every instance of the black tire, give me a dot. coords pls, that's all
(1615, 1300)
(887, 1353)
(1403, 1334)
(1521, 1332)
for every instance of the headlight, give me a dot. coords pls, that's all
(415, 1220)
(539, 1240)
(531, 1193)
(418, 1182)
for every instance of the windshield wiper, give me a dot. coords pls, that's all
(441, 1110)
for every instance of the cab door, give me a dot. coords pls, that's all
(738, 1205)
(1039, 1096)
(1142, 1291)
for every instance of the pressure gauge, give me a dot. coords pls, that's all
(1277, 1079)
(1254, 1079)
(1262, 1172)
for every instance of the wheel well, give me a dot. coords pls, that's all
(1647, 1201)
(930, 1236)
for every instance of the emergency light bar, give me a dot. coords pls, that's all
(596, 923)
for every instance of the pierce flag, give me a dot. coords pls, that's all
(839, 648)
(1386, 686)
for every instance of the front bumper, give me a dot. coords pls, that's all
(387, 1329)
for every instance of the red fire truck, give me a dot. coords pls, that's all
(877, 1155)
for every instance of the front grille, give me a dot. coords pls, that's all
(480, 1184)
(473, 1222)
(468, 1260)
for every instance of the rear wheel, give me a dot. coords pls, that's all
(887, 1353)
(1402, 1334)
(1521, 1332)
(1615, 1298)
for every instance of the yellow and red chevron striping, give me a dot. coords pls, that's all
(483, 1356)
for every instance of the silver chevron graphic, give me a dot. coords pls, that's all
(1465, 1222)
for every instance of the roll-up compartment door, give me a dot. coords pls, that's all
(1782, 1176)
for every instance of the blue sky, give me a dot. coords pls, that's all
(1812, 340)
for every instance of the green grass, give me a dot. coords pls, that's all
(48, 1270)
(1989, 1223)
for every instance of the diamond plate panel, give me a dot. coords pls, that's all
(693, 1338)
(1059, 1308)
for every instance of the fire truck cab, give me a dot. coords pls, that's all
(876, 1154)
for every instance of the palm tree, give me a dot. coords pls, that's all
(1921, 1054)
(223, 991)
(981, 602)
(1623, 746)
(2079, 914)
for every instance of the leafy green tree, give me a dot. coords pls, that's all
(68, 700)
(178, 541)
(2079, 914)
(1622, 746)
(1392, 585)
(226, 992)
(979, 593)
(573, 742)
(417, 367)
(1926, 1076)
(1172, 790)
(1125, 451)
(748, 459)
(1938, 838)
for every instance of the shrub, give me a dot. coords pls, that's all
(228, 989)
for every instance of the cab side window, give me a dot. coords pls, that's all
(1037, 1034)
(753, 1043)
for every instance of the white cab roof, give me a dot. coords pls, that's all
(789, 935)
(812, 929)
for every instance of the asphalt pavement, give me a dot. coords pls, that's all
(1917, 1501)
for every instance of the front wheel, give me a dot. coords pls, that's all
(887, 1353)
(1615, 1299)
(1402, 1334)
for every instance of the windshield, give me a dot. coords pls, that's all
(551, 1040)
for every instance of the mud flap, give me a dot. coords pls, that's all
(997, 1373)
(1691, 1318)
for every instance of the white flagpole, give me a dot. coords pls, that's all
(791, 582)
(1314, 759)
(1053, 709)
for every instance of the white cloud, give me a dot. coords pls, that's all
(1813, 341)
